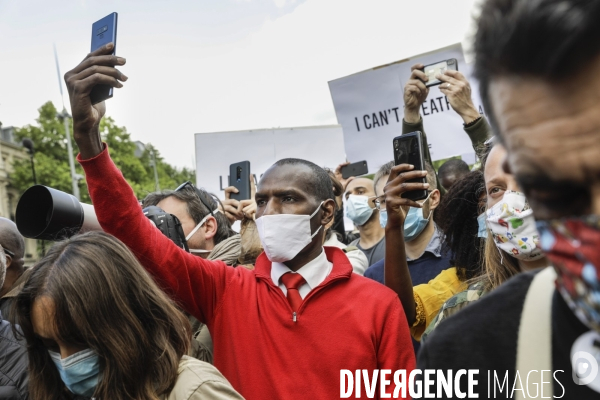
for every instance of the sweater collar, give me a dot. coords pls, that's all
(341, 266)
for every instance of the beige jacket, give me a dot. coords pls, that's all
(199, 380)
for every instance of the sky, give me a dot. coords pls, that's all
(219, 65)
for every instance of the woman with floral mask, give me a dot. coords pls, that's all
(97, 326)
(512, 247)
(513, 243)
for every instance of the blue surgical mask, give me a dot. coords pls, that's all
(482, 232)
(357, 209)
(415, 222)
(383, 218)
(80, 372)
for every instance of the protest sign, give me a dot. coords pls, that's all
(369, 106)
(323, 145)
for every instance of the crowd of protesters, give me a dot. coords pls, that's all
(497, 269)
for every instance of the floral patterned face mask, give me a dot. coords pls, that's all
(513, 227)
(573, 246)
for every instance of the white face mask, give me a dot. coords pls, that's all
(283, 236)
(196, 230)
(513, 227)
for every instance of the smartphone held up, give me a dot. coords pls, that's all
(239, 177)
(437, 68)
(408, 149)
(104, 32)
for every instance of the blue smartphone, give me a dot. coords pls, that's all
(104, 31)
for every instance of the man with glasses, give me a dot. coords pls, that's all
(422, 239)
(208, 234)
(16, 274)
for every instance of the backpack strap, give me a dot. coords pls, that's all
(534, 346)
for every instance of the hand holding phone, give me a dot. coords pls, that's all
(403, 180)
(96, 68)
(104, 32)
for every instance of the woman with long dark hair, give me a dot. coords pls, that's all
(97, 326)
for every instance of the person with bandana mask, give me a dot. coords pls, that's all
(359, 207)
(293, 322)
(537, 63)
(97, 326)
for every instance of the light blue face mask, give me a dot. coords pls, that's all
(357, 209)
(383, 218)
(415, 222)
(482, 232)
(80, 372)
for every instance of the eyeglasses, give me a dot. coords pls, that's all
(380, 201)
(191, 185)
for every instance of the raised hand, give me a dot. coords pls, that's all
(415, 93)
(397, 206)
(458, 91)
(97, 68)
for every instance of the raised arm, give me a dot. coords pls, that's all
(195, 283)
(457, 89)
(396, 275)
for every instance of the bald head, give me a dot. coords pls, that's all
(11, 240)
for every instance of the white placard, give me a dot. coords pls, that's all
(369, 106)
(323, 145)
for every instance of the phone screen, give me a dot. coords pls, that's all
(434, 69)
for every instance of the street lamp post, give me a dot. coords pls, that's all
(74, 176)
(139, 150)
(28, 144)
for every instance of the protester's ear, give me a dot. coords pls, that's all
(328, 208)
(434, 199)
(210, 227)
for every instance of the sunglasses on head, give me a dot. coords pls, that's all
(190, 185)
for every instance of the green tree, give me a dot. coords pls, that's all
(52, 165)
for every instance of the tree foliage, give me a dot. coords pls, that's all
(52, 164)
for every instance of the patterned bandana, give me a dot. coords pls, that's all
(573, 246)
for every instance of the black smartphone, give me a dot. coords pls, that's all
(104, 32)
(239, 177)
(408, 149)
(432, 70)
(354, 169)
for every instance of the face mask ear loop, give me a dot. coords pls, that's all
(312, 215)
(501, 257)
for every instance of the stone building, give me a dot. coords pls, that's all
(11, 151)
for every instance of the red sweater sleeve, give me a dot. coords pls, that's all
(193, 282)
(395, 347)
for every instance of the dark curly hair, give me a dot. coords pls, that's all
(457, 217)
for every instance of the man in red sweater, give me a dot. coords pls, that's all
(284, 330)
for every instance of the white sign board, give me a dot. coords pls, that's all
(323, 145)
(369, 106)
